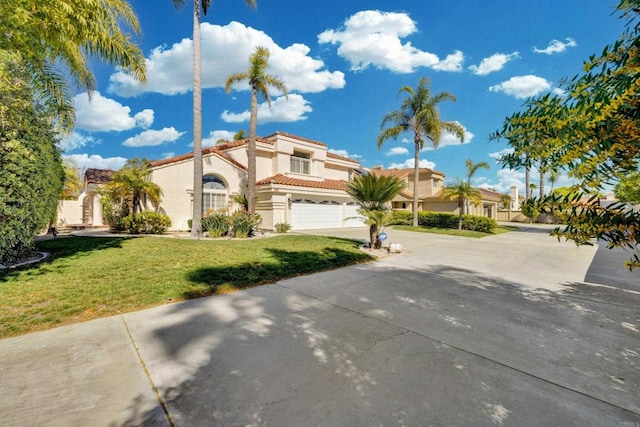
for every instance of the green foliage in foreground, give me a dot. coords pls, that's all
(87, 278)
(446, 220)
(31, 172)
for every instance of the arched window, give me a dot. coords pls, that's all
(214, 194)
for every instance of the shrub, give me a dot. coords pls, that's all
(282, 227)
(113, 212)
(242, 225)
(31, 171)
(216, 224)
(478, 223)
(146, 222)
(445, 220)
(401, 218)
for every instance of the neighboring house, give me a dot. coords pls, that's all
(299, 182)
(430, 189)
(86, 210)
(429, 183)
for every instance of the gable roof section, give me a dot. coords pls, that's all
(490, 195)
(327, 184)
(211, 150)
(402, 173)
(98, 176)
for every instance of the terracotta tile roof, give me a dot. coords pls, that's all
(280, 179)
(490, 195)
(275, 135)
(402, 173)
(97, 176)
(210, 150)
(346, 159)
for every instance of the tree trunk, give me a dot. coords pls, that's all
(196, 228)
(416, 176)
(527, 179)
(251, 154)
(541, 183)
(373, 235)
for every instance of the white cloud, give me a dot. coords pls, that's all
(226, 50)
(522, 86)
(168, 155)
(409, 163)
(215, 136)
(374, 38)
(76, 140)
(497, 154)
(397, 151)
(101, 114)
(495, 62)
(556, 46)
(344, 153)
(281, 110)
(84, 161)
(448, 139)
(505, 178)
(144, 118)
(150, 138)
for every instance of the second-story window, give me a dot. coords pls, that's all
(300, 163)
(436, 183)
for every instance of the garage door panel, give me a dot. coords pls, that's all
(305, 216)
(352, 218)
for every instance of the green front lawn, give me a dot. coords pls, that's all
(86, 278)
(455, 231)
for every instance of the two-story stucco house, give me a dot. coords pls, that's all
(299, 182)
(430, 189)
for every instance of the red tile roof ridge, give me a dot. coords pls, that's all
(289, 135)
(339, 157)
(209, 150)
(281, 179)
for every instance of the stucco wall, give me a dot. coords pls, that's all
(511, 216)
(176, 181)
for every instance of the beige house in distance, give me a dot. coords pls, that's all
(299, 182)
(430, 189)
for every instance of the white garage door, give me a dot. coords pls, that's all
(306, 215)
(352, 217)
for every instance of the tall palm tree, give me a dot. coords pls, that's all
(373, 193)
(55, 39)
(196, 224)
(419, 114)
(259, 83)
(472, 168)
(460, 192)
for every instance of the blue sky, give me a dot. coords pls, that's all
(344, 64)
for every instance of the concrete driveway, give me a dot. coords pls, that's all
(454, 331)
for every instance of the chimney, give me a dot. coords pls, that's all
(515, 201)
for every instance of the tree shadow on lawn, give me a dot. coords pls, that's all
(64, 247)
(287, 264)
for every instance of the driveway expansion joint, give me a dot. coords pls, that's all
(154, 388)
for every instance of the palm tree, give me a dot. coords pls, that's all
(259, 83)
(132, 186)
(419, 114)
(55, 39)
(553, 178)
(460, 192)
(196, 226)
(472, 168)
(373, 193)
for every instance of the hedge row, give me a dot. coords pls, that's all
(446, 220)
